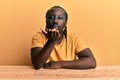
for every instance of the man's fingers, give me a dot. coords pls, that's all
(45, 32)
(51, 33)
(53, 30)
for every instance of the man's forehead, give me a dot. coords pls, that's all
(57, 10)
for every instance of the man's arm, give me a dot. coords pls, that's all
(40, 55)
(86, 61)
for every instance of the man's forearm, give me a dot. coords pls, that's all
(41, 57)
(83, 63)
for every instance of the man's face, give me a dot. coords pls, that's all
(56, 19)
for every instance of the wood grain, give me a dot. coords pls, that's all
(28, 73)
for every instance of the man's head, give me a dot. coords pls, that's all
(56, 17)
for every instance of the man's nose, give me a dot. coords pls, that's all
(55, 21)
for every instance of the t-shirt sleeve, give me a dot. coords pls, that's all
(36, 40)
(79, 44)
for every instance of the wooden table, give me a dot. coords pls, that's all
(28, 73)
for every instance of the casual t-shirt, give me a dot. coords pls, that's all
(64, 51)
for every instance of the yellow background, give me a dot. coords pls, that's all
(97, 21)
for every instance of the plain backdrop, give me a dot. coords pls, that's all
(97, 22)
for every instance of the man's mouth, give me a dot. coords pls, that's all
(55, 26)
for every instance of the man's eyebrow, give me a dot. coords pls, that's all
(61, 15)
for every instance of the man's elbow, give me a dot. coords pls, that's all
(36, 65)
(93, 64)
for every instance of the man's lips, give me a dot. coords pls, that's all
(55, 26)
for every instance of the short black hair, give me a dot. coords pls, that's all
(49, 10)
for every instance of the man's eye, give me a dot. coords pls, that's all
(51, 17)
(60, 18)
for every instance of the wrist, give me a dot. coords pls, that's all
(61, 64)
(51, 41)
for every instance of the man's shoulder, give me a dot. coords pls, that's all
(38, 34)
(72, 35)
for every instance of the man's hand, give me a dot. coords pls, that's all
(52, 34)
(53, 65)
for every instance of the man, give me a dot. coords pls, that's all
(54, 48)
